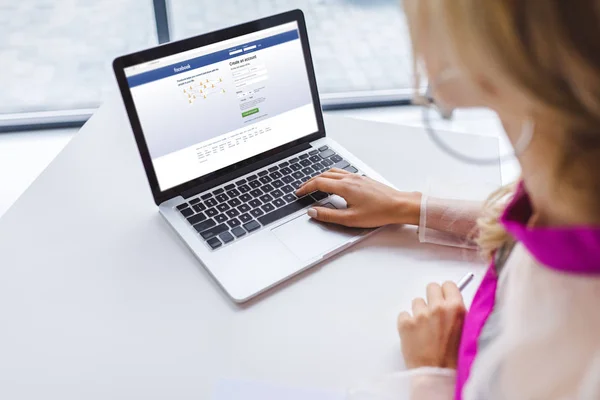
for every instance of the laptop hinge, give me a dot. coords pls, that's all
(245, 170)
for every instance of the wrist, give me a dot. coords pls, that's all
(407, 208)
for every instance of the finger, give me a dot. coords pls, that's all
(327, 174)
(323, 184)
(404, 321)
(340, 171)
(419, 306)
(435, 297)
(451, 292)
(331, 215)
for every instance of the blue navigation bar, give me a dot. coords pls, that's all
(212, 58)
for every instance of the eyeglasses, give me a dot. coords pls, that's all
(437, 118)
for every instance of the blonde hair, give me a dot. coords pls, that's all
(548, 50)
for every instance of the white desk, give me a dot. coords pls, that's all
(99, 299)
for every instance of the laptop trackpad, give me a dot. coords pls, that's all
(307, 238)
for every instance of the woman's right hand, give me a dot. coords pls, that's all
(370, 204)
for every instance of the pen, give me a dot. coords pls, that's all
(465, 281)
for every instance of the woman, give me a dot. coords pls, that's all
(533, 330)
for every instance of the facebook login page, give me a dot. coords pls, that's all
(214, 106)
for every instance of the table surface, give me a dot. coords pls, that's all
(99, 299)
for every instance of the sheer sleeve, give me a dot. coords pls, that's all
(448, 222)
(415, 384)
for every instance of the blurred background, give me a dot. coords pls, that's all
(56, 54)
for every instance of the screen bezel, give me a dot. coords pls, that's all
(169, 49)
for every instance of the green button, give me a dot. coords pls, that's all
(249, 112)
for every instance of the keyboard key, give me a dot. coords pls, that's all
(327, 153)
(206, 196)
(287, 210)
(182, 206)
(287, 189)
(223, 207)
(211, 212)
(315, 159)
(245, 197)
(265, 179)
(290, 197)
(186, 212)
(214, 243)
(199, 207)
(267, 188)
(245, 218)
(202, 226)
(252, 226)
(218, 191)
(226, 237)
(323, 148)
(305, 163)
(194, 201)
(284, 164)
(315, 174)
(238, 231)
(240, 182)
(232, 213)
(275, 175)
(318, 166)
(279, 203)
(263, 173)
(277, 183)
(304, 179)
(257, 212)
(251, 177)
(266, 198)
(254, 184)
(273, 168)
(341, 164)
(234, 202)
(288, 179)
(327, 163)
(296, 167)
(255, 203)
(268, 207)
(350, 168)
(286, 171)
(222, 198)
(293, 160)
(276, 193)
(318, 195)
(244, 208)
(297, 175)
(214, 231)
(233, 193)
(303, 156)
(336, 158)
(230, 186)
(194, 219)
(256, 193)
(313, 152)
(296, 184)
(211, 202)
(244, 188)
(307, 170)
(221, 218)
(234, 222)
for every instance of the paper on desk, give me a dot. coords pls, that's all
(248, 390)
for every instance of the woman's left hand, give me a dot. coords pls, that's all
(431, 336)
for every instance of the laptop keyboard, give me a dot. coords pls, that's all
(228, 213)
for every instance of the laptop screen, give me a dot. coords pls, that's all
(211, 107)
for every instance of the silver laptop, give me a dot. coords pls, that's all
(228, 126)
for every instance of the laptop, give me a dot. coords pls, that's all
(228, 126)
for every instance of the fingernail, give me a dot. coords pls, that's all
(312, 212)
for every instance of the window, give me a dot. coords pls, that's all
(357, 45)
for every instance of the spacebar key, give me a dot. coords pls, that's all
(287, 210)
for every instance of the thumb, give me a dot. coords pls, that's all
(327, 214)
